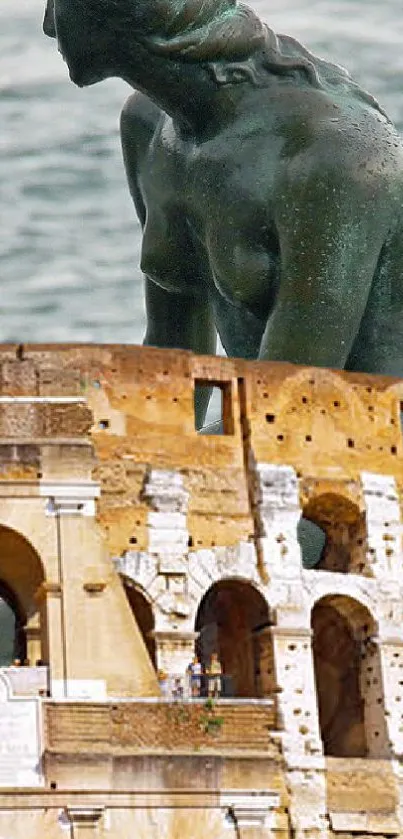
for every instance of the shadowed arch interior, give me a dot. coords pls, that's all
(230, 617)
(332, 534)
(12, 622)
(348, 679)
(21, 575)
(143, 613)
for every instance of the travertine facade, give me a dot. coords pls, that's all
(129, 541)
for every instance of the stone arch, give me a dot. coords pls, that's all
(143, 610)
(21, 576)
(348, 677)
(309, 386)
(340, 541)
(231, 620)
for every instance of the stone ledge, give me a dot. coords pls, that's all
(128, 728)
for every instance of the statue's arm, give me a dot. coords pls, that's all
(330, 243)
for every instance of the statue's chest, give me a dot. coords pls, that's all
(201, 201)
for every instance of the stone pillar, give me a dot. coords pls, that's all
(174, 650)
(391, 685)
(267, 682)
(297, 699)
(86, 822)
(33, 636)
(252, 813)
(49, 598)
(168, 499)
(383, 525)
(278, 512)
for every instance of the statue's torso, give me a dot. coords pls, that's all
(215, 207)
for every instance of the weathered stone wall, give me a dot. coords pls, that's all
(105, 483)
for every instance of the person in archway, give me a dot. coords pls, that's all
(214, 673)
(195, 672)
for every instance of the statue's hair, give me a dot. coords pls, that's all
(230, 39)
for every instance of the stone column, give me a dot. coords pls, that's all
(391, 690)
(297, 700)
(383, 525)
(302, 744)
(174, 650)
(278, 512)
(33, 636)
(252, 813)
(267, 682)
(49, 600)
(86, 822)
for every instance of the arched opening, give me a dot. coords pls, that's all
(143, 613)
(348, 679)
(23, 627)
(232, 621)
(12, 635)
(332, 535)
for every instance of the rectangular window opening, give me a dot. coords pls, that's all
(219, 416)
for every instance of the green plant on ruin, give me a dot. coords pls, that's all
(210, 722)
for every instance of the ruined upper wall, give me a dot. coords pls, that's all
(328, 425)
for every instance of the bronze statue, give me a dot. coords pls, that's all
(268, 183)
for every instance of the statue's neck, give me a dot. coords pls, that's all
(184, 90)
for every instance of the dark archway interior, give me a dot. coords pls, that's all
(12, 622)
(337, 651)
(332, 535)
(143, 614)
(228, 621)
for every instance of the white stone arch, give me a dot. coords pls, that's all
(320, 584)
(211, 565)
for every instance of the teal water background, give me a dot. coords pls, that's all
(69, 240)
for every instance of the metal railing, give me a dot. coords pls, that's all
(188, 686)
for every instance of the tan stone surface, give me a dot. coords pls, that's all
(360, 785)
(176, 726)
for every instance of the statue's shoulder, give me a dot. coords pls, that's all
(139, 117)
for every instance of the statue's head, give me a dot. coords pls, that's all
(87, 36)
(96, 36)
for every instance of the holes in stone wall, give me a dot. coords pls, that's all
(270, 418)
(103, 424)
(350, 443)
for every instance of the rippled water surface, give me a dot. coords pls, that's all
(69, 240)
